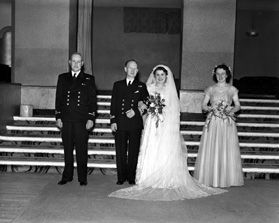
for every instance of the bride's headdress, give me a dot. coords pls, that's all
(170, 94)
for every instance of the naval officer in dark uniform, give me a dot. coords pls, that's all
(75, 106)
(126, 121)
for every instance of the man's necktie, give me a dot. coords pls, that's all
(75, 75)
(130, 83)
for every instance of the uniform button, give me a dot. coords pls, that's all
(79, 92)
(68, 95)
(68, 99)
(78, 96)
(122, 108)
(123, 100)
(78, 100)
(122, 113)
(132, 100)
(68, 91)
(122, 104)
(67, 103)
(78, 105)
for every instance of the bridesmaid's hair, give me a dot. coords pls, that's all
(226, 69)
(162, 69)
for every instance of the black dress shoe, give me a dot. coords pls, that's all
(119, 182)
(62, 182)
(132, 182)
(83, 183)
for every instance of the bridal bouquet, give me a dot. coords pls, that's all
(221, 110)
(155, 105)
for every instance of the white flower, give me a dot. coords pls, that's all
(161, 117)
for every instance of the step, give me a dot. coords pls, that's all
(241, 99)
(108, 97)
(262, 156)
(259, 100)
(42, 161)
(245, 100)
(101, 128)
(95, 163)
(260, 145)
(259, 108)
(244, 107)
(52, 129)
(111, 141)
(104, 97)
(240, 129)
(259, 134)
(107, 121)
(200, 123)
(52, 119)
(108, 130)
(52, 150)
(50, 139)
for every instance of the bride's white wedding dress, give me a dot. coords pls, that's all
(162, 171)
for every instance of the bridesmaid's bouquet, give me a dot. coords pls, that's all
(155, 105)
(221, 110)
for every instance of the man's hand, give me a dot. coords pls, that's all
(130, 113)
(141, 107)
(113, 127)
(89, 124)
(59, 123)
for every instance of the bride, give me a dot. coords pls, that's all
(162, 172)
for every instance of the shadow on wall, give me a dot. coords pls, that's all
(5, 73)
(259, 86)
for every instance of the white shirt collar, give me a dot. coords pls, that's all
(128, 80)
(77, 73)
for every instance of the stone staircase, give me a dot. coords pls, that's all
(34, 143)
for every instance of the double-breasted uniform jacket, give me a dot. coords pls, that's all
(75, 98)
(123, 99)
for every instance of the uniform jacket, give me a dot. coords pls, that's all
(75, 98)
(123, 99)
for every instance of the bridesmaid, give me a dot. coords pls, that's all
(219, 163)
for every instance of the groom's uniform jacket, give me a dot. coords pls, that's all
(123, 99)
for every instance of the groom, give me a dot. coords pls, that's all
(126, 122)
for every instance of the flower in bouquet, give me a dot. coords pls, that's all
(155, 105)
(221, 110)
